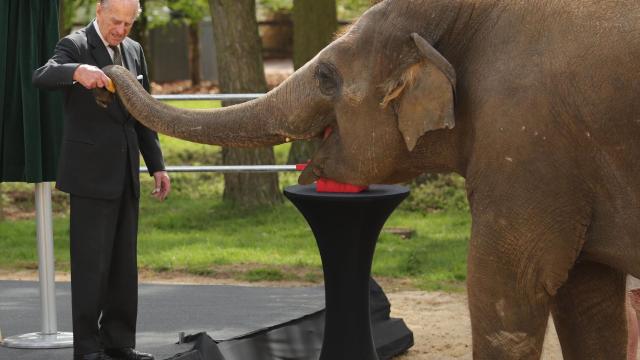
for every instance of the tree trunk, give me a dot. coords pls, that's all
(194, 54)
(314, 25)
(239, 57)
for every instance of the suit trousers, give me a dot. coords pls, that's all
(104, 274)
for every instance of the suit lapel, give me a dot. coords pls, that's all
(98, 50)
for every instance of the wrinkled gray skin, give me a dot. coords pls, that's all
(547, 135)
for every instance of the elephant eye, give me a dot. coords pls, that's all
(328, 79)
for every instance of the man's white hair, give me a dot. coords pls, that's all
(105, 3)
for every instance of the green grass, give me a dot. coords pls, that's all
(205, 236)
(194, 104)
(196, 233)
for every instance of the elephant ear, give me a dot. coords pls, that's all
(424, 94)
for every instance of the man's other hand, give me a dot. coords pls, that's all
(90, 76)
(163, 185)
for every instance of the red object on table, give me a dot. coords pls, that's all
(328, 185)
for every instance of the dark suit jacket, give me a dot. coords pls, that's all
(97, 141)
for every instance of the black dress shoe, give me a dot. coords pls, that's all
(93, 356)
(128, 354)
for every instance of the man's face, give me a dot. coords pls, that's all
(115, 19)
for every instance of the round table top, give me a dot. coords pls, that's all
(373, 192)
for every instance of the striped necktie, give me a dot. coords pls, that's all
(117, 57)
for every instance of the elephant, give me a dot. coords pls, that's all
(534, 103)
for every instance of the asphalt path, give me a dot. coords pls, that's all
(222, 311)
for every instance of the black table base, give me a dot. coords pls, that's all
(346, 227)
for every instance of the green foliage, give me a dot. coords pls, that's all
(275, 5)
(188, 12)
(437, 193)
(264, 275)
(351, 9)
(347, 9)
(158, 12)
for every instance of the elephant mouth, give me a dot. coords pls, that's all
(315, 168)
(327, 132)
(310, 174)
(320, 128)
(321, 134)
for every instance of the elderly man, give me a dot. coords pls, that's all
(98, 167)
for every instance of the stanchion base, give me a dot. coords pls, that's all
(38, 340)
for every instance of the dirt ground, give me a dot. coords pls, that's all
(439, 321)
(441, 326)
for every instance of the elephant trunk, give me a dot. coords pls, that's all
(262, 122)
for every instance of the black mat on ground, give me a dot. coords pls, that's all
(228, 322)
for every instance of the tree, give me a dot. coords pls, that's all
(241, 70)
(314, 25)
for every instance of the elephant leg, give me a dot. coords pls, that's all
(589, 313)
(506, 322)
(518, 259)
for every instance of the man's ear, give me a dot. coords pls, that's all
(424, 94)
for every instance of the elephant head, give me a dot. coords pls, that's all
(371, 94)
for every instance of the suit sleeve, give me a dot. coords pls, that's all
(148, 139)
(58, 71)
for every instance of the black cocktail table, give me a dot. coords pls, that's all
(346, 227)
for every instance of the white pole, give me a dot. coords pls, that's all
(46, 267)
(49, 337)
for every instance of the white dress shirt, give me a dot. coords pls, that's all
(106, 44)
